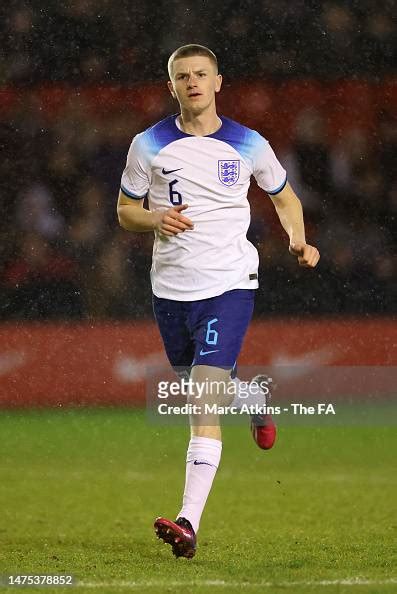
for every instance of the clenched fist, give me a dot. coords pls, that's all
(308, 255)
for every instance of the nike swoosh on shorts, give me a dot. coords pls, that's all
(208, 352)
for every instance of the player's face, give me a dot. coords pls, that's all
(194, 83)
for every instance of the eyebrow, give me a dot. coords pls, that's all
(195, 71)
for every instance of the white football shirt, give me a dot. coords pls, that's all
(212, 175)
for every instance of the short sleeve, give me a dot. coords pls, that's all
(267, 170)
(135, 178)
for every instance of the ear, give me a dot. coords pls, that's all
(171, 89)
(218, 83)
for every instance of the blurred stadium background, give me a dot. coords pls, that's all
(78, 79)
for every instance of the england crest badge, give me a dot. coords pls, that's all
(229, 172)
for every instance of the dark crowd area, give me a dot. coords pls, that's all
(62, 253)
(102, 41)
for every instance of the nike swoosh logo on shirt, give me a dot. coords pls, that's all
(208, 352)
(166, 172)
(198, 463)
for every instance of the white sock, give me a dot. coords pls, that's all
(248, 394)
(202, 461)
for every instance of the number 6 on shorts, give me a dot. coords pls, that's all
(212, 335)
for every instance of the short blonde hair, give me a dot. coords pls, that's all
(192, 49)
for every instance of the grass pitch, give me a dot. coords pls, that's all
(80, 490)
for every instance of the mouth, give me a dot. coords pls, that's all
(194, 95)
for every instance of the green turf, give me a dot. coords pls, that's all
(80, 489)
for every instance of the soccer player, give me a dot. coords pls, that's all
(195, 170)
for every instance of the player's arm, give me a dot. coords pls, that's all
(289, 210)
(134, 217)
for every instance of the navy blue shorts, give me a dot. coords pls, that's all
(205, 332)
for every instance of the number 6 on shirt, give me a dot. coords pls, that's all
(175, 197)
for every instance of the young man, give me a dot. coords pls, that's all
(195, 169)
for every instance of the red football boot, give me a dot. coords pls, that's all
(179, 534)
(263, 429)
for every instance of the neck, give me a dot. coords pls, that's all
(201, 124)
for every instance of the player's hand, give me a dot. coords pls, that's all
(308, 255)
(171, 222)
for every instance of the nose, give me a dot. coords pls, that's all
(192, 81)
